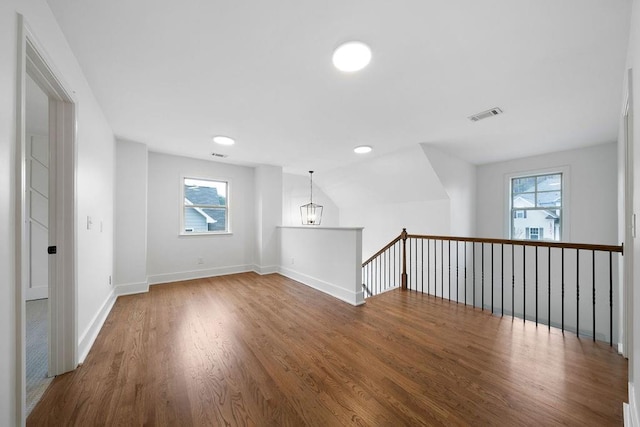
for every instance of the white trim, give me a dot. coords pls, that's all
(626, 415)
(131, 288)
(325, 287)
(626, 279)
(63, 331)
(565, 170)
(631, 417)
(228, 229)
(204, 233)
(198, 274)
(318, 227)
(91, 333)
(265, 269)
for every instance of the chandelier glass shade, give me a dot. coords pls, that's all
(311, 213)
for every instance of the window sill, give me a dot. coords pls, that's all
(214, 233)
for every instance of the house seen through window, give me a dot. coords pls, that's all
(536, 207)
(205, 206)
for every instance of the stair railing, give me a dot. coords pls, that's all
(540, 281)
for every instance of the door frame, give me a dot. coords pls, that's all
(63, 335)
(630, 227)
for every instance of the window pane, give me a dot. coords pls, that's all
(550, 182)
(523, 185)
(201, 220)
(205, 206)
(549, 198)
(524, 200)
(518, 228)
(539, 224)
(201, 192)
(219, 217)
(194, 221)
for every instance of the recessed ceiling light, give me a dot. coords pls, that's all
(362, 149)
(351, 56)
(223, 140)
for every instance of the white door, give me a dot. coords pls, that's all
(37, 206)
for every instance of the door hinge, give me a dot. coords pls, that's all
(52, 250)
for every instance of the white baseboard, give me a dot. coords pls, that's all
(131, 288)
(198, 274)
(626, 415)
(265, 269)
(91, 333)
(326, 287)
(630, 409)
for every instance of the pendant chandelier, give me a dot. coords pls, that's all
(311, 213)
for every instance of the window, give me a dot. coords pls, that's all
(519, 214)
(536, 207)
(205, 206)
(535, 233)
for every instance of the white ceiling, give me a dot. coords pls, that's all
(173, 74)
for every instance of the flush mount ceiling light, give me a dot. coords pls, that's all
(362, 149)
(223, 140)
(352, 56)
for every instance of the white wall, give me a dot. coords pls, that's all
(94, 185)
(327, 259)
(385, 194)
(592, 193)
(388, 220)
(458, 178)
(590, 216)
(131, 217)
(295, 193)
(174, 257)
(268, 205)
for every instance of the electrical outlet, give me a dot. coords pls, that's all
(89, 223)
(109, 279)
(200, 260)
(293, 261)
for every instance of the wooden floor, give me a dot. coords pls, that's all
(265, 350)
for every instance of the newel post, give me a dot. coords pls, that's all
(403, 236)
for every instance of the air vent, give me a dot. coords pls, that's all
(483, 115)
(222, 156)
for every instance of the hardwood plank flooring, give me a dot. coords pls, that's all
(264, 350)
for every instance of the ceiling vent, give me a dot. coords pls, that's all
(221, 156)
(483, 115)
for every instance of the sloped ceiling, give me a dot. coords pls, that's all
(403, 176)
(173, 74)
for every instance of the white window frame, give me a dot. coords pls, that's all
(565, 227)
(182, 205)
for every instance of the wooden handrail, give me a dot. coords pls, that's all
(543, 243)
(383, 271)
(391, 243)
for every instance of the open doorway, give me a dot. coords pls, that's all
(37, 240)
(51, 224)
